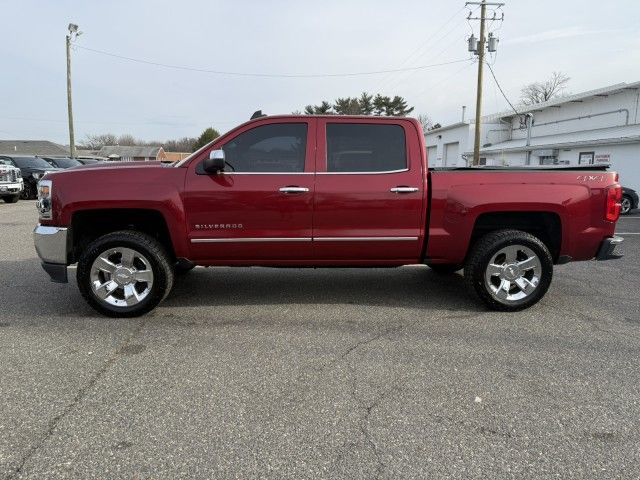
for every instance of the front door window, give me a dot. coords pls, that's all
(267, 149)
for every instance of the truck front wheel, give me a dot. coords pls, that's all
(11, 199)
(509, 269)
(124, 274)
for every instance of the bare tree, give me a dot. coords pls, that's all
(184, 144)
(539, 92)
(128, 140)
(96, 142)
(425, 121)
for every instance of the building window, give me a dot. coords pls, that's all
(548, 160)
(586, 158)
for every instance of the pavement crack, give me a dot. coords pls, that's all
(368, 408)
(77, 399)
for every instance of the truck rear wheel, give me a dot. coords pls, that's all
(124, 274)
(509, 269)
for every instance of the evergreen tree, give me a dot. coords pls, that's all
(347, 106)
(366, 103)
(205, 137)
(380, 105)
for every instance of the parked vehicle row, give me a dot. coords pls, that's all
(313, 191)
(32, 169)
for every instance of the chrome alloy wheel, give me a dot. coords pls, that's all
(121, 277)
(513, 273)
(625, 205)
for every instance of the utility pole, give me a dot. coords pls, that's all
(73, 34)
(479, 50)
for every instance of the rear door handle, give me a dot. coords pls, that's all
(404, 189)
(290, 190)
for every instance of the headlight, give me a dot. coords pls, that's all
(44, 199)
(37, 176)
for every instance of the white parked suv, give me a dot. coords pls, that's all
(11, 183)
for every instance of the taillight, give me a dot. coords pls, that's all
(614, 196)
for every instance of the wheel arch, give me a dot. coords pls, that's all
(87, 225)
(547, 226)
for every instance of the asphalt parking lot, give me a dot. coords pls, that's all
(328, 373)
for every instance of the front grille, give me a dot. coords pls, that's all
(11, 176)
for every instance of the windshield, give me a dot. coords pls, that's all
(64, 162)
(31, 162)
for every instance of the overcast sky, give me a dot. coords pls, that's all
(595, 43)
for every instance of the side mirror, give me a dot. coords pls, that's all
(215, 163)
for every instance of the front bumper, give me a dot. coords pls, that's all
(53, 246)
(11, 188)
(607, 250)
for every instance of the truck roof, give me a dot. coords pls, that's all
(330, 116)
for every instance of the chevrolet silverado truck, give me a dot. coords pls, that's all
(11, 184)
(319, 191)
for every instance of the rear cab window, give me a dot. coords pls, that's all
(365, 147)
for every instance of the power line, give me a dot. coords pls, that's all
(443, 80)
(95, 122)
(422, 45)
(402, 78)
(500, 88)
(266, 75)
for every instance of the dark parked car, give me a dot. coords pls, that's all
(629, 200)
(32, 169)
(62, 162)
(88, 161)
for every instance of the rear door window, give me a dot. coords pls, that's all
(353, 147)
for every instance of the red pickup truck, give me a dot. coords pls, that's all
(314, 191)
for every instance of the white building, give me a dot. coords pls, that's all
(599, 126)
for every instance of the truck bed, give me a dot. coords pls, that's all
(569, 202)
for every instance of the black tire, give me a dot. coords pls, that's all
(444, 268)
(12, 199)
(490, 245)
(29, 192)
(626, 204)
(150, 248)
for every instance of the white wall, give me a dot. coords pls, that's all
(462, 134)
(625, 159)
(624, 100)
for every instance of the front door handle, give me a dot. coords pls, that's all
(290, 190)
(404, 189)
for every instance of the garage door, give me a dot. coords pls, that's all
(451, 154)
